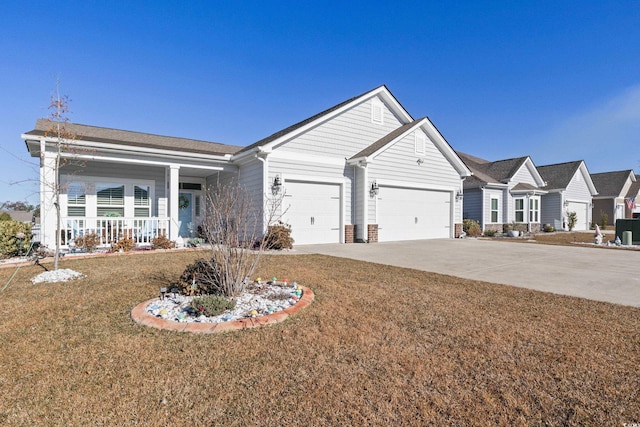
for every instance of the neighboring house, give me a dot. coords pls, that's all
(363, 170)
(21, 216)
(570, 189)
(613, 188)
(503, 192)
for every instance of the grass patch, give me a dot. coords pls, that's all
(379, 346)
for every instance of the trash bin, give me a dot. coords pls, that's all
(627, 238)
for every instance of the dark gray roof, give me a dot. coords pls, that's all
(634, 189)
(492, 172)
(558, 176)
(138, 139)
(610, 184)
(385, 140)
(304, 122)
(522, 186)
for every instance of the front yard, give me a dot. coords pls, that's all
(379, 346)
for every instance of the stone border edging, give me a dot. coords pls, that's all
(139, 315)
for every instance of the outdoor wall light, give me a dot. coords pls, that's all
(419, 162)
(374, 190)
(459, 195)
(277, 185)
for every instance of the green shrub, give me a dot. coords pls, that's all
(162, 242)
(278, 237)
(211, 305)
(471, 227)
(572, 219)
(548, 228)
(10, 245)
(4, 216)
(604, 220)
(89, 242)
(490, 233)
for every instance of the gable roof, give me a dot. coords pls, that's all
(498, 172)
(434, 136)
(136, 139)
(328, 113)
(611, 184)
(559, 175)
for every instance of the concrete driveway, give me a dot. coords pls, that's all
(597, 274)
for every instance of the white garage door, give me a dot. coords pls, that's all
(581, 211)
(313, 211)
(412, 214)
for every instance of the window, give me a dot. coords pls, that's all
(377, 111)
(519, 210)
(141, 203)
(534, 210)
(420, 142)
(76, 199)
(110, 199)
(197, 205)
(494, 209)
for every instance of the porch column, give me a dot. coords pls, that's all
(174, 190)
(48, 219)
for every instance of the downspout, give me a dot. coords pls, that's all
(365, 202)
(265, 178)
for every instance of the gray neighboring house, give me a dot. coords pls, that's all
(569, 189)
(21, 216)
(613, 189)
(503, 192)
(362, 170)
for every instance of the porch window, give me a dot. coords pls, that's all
(110, 199)
(196, 206)
(519, 204)
(534, 210)
(141, 201)
(76, 199)
(494, 209)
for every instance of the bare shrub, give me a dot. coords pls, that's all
(89, 242)
(162, 242)
(232, 224)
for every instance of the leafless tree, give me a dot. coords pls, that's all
(62, 136)
(234, 226)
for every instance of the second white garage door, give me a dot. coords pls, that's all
(413, 214)
(313, 211)
(581, 212)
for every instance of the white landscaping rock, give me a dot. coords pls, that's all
(61, 275)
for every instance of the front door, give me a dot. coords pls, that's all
(185, 214)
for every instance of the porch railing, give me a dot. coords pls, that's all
(109, 230)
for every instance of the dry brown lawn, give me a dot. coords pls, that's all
(379, 346)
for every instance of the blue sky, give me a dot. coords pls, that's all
(558, 81)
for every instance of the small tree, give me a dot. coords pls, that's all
(572, 219)
(233, 225)
(58, 130)
(604, 220)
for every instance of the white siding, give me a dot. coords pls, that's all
(344, 135)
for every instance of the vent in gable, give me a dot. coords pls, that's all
(377, 111)
(420, 142)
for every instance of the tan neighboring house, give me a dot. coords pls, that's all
(613, 188)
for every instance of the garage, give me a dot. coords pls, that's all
(580, 209)
(413, 214)
(313, 211)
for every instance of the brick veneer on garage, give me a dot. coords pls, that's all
(349, 233)
(458, 230)
(372, 233)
